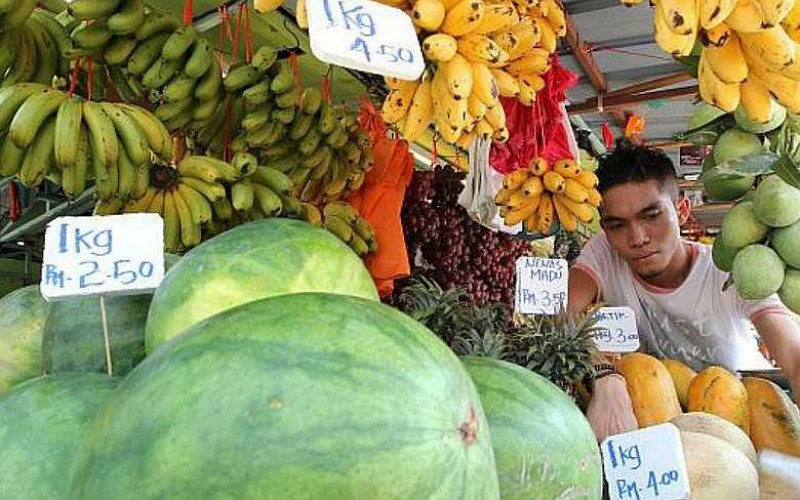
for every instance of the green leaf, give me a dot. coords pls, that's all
(788, 170)
(751, 165)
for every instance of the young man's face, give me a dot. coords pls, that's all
(641, 222)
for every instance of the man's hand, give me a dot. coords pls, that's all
(781, 335)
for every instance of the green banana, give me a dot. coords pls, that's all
(197, 166)
(208, 86)
(223, 209)
(339, 228)
(320, 160)
(178, 43)
(91, 36)
(199, 206)
(284, 79)
(214, 191)
(300, 126)
(118, 51)
(170, 110)
(278, 150)
(10, 43)
(288, 99)
(300, 176)
(179, 122)
(46, 54)
(156, 23)
(12, 97)
(242, 195)
(244, 163)
(359, 246)
(130, 133)
(68, 130)
(141, 181)
(33, 113)
(58, 32)
(75, 183)
(108, 206)
(274, 179)
(312, 101)
(240, 78)
(284, 164)
(254, 121)
(102, 135)
(39, 156)
(205, 109)
(146, 53)
(10, 158)
(363, 228)
(86, 10)
(311, 190)
(157, 136)
(259, 93)
(17, 16)
(343, 210)
(327, 119)
(160, 72)
(201, 59)
(190, 230)
(172, 224)
(292, 207)
(7, 5)
(268, 201)
(128, 19)
(25, 65)
(122, 85)
(127, 175)
(283, 115)
(179, 89)
(310, 142)
(264, 58)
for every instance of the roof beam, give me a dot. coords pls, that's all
(621, 101)
(618, 43)
(586, 61)
(656, 83)
(581, 6)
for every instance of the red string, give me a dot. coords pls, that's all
(248, 36)
(73, 81)
(435, 151)
(296, 70)
(89, 75)
(326, 89)
(188, 12)
(236, 37)
(15, 206)
(228, 153)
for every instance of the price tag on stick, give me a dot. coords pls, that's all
(616, 330)
(647, 464)
(365, 35)
(541, 285)
(99, 256)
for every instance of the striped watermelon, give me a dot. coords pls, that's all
(22, 316)
(306, 396)
(42, 423)
(543, 445)
(254, 261)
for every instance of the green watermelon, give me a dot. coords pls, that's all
(22, 316)
(543, 445)
(42, 423)
(73, 334)
(253, 261)
(306, 396)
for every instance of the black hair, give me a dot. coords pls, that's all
(629, 162)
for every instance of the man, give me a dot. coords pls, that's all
(676, 291)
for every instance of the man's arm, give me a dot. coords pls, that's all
(581, 291)
(781, 335)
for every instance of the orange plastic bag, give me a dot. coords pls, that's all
(380, 201)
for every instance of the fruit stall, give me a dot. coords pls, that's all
(273, 249)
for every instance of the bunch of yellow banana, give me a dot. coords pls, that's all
(70, 141)
(537, 194)
(481, 49)
(341, 219)
(750, 53)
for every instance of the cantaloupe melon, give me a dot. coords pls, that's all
(706, 423)
(717, 470)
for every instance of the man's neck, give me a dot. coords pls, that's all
(676, 272)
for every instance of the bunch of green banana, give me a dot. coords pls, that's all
(32, 52)
(113, 21)
(14, 13)
(341, 219)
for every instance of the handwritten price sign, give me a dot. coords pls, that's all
(647, 464)
(365, 35)
(616, 330)
(109, 255)
(541, 285)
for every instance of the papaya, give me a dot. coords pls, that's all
(774, 419)
(682, 376)
(655, 400)
(717, 391)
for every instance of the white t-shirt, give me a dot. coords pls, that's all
(696, 323)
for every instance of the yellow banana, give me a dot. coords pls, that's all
(595, 199)
(506, 83)
(567, 219)
(584, 212)
(476, 108)
(397, 103)
(527, 92)
(785, 90)
(497, 17)
(587, 179)
(428, 14)
(516, 179)
(420, 114)
(775, 11)
(747, 17)
(548, 40)
(681, 16)
(482, 49)
(496, 117)
(535, 61)
(538, 166)
(727, 62)
(556, 17)
(483, 129)
(463, 18)
(575, 191)
(567, 168)
(756, 101)
(522, 212)
(533, 186)
(771, 46)
(668, 40)
(554, 182)
(502, 196)
(714, 12)
(545, 213)
(484, 86)
(440, 47)
(714, 91)
(466, 140)
(458, 75)
(792, 20)
(717, 36)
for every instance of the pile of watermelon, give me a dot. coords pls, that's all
(264, 367)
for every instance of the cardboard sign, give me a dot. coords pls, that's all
(647, 464)
(365, 35)
(108, 255)
(616, 330)
(541, 285)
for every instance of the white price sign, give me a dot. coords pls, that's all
(365, 35)
(647, 464)
(541, 285)
(616, 330)
(108, 255)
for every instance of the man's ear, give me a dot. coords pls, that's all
(684, 209)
